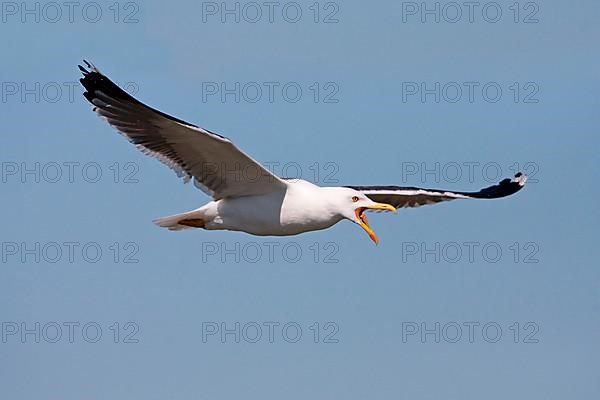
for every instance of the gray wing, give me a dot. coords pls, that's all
(404, 197)
(215, 164)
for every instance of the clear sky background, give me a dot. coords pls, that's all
(371, 304)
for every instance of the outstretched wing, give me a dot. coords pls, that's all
(404, 197)
(216, 165)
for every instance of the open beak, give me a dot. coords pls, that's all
(362, 218)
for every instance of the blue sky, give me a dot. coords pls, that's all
(141, 311)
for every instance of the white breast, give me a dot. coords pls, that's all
(301, 208)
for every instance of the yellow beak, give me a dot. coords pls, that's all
(364, 223)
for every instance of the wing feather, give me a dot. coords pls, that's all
(212, 161)
(406, 197)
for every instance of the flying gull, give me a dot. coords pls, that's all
(246, 196)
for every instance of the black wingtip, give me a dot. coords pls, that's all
(92, 68)
(505, 188)
(520, 179)
(93, 80)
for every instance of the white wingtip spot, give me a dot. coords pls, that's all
(520, 179)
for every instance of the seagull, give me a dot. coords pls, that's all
(246, 196)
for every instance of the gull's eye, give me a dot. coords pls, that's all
(354, 199)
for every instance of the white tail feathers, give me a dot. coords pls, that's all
(193, 219)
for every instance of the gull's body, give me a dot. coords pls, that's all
(246, 196)
(301, 207)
